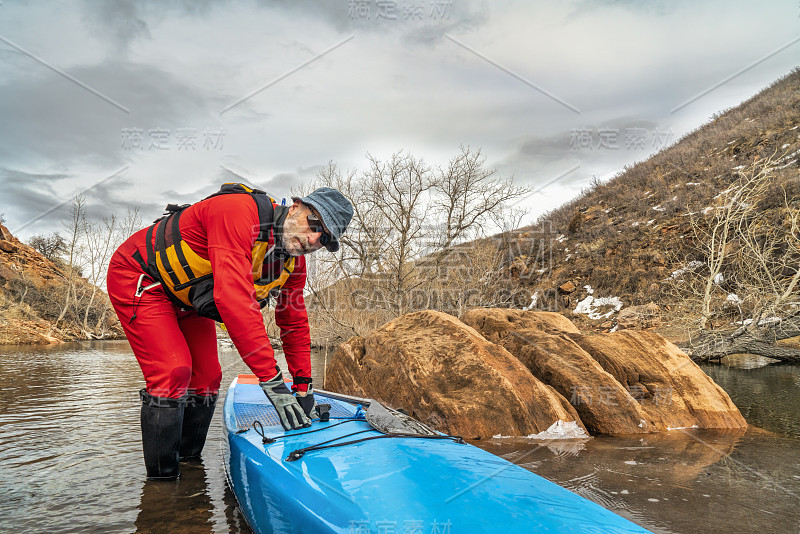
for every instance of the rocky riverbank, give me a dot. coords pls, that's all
(42, 301)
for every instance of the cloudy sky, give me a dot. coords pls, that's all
(138, 103)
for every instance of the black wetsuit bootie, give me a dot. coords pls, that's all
(162, 421)
(196, 420)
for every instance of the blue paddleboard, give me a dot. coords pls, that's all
(384, 485)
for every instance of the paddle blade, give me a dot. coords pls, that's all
(388, 421)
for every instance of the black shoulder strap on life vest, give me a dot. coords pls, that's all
(263, 202)
(149, 265)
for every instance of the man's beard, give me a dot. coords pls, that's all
(293, 240)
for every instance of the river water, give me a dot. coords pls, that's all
(70, 454)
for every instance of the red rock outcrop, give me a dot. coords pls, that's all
(670, 387)
(30, 287)
(448, 376)
(623, 382)
(540, 341)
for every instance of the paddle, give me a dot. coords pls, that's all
(384, 420)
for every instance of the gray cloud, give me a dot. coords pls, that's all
(398, 84)
(120, 21)
(48, 118)
(38, 202)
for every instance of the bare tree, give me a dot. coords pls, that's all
(750, 270)
(75, 228)
(405, 248)
(723, 227)
(51, 246)
(99, 241)
(102, 239)
(470, 196)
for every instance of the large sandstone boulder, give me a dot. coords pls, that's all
(540, 341)
(448, 376)
(495, 323)
(620, 383)
(671, 388)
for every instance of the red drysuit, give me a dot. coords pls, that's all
(176, 349)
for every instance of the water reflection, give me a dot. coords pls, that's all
(683, 481)
(70, 448)
(182, 506)
(766, 392)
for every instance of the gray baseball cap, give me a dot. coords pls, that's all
(334, 209)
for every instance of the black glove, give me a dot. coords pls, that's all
(307, 401)
(289, 410)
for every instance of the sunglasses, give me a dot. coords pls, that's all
(315, 224)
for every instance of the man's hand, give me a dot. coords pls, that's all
(289, 410)
(307, 401)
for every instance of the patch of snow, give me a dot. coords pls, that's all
(787, 145)
(719, 278)
(561, 430)
(707, 209)
(652, 500)
(534, 300)
(692, 266)
(561, 238)
(635, 223)
(738, 167)
(762, 322)
(624, 492)
(589, 289)
(692, 183)
(725, 192)
(732, 298)
(651, 221)
(659, 208)
(613, 329)
(631, 462)
(589, 305)
(681, 427)
(732, 142)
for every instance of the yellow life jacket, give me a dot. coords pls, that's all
(188, 279)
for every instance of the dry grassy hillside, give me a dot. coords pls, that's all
(627, 236)
(33, 292)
